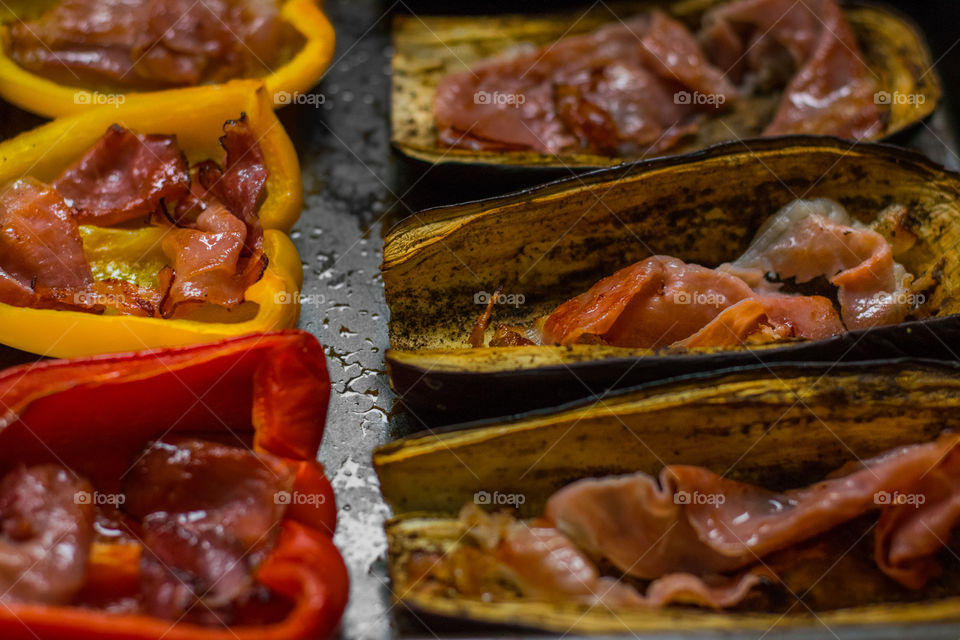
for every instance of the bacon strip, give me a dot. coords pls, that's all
(831, 91)
(126, 175)
(208, 263)
(611, 91)
(46, 529)
(41, 254)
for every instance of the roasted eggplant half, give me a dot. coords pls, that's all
(735, 425)
(535, 249)
(430, 49)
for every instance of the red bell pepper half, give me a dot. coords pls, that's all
(149, 427)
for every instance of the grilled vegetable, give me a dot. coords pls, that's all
(737, 424)
(429, 49)
(543, 246)
(134, 255)
(302, 59)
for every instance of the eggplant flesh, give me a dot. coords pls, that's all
(542, 246)
(739, 424)
(428, 48)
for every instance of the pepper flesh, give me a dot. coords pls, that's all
(92, 414)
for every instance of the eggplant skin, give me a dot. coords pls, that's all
(739, 423)
(555, 241)
(427, 48)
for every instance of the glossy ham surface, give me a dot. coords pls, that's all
(613, 91)
(697, 537)
(636, 87)
(831, 90)
(124, 176)
(662, 301)
(208, 263)
(214, 241)
(46, 528)
(208, 511)
(808, 239)
(241, 184)
(150, 43)
(41, 254)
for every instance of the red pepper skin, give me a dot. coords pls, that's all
(94, 414)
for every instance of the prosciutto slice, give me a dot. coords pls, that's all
(207, 511)
(209, 266)
(718, 525)
(41, 254)
(701, 538)
(241, 184)
(813, 238)
(45, 534)
(612, 91)
(125, 176)
(548, 565)
(831, 90)
(145, 43)
(663, 301)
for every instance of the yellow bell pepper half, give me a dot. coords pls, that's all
(196, 117)
(51, 99)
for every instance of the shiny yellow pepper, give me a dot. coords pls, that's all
(48, 98)
(196, 116)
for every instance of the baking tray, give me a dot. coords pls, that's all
(355, 188)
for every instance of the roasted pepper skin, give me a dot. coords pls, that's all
(48, 98)
(46, 151)
(94, 414)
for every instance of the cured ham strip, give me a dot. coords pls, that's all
(611, 91)
(241, 184)
(208, 263)
(651, 304)
(700, 538)
(720, 525)
(145, 43)
(207, 511)
(812, 238)
(45, 534)
(831, 91)
(125, 176)
(662, 301)
(547, 565)
(41, 254)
